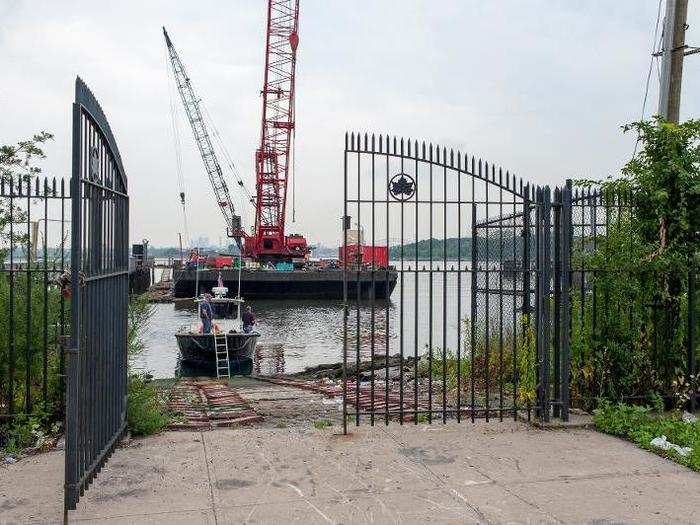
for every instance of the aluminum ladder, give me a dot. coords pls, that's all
(221, 351)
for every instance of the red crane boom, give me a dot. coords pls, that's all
(272, 158)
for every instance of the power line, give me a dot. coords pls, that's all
(654, 48)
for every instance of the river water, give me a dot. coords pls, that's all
(300, 334)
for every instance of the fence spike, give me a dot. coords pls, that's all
(372, 142)
(452, 158)
(423, 150)
(366, 147)
(346, 140)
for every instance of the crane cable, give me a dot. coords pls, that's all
(227, 156)
(177, 145)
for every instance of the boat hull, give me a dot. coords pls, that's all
(198, 350)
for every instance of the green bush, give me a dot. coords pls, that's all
(30, 335)
(146, 413)
(633, 343)
(495, 368)
(640, 425)
(28, 431)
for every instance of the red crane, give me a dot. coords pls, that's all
(272, 158)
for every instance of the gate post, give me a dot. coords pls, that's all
(565, 297)
(691, 357)
(70, 490)
(556, 325)
(543, 293)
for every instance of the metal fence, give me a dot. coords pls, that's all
(508, 300)
(97, 358)
(628, 336)
(34, 252)
(466, 334)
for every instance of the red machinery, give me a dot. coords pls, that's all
(268, 241)
(272, 158)
(360, 255)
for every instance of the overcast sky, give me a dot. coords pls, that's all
(538, 87)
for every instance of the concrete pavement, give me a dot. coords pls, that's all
(484, 473)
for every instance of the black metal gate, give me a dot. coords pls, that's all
(97, 358)
(471, 330)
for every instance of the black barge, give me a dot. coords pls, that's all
(296, 284)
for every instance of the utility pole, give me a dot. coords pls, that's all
(674, 49)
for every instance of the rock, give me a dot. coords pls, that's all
(689, 418)
(9, 460)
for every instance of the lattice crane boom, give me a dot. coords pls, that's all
(204, 144)
(272, 158)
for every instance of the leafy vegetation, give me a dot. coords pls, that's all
(629, 322)
(514, 367)
(146, 413)
(35, 431)
(25, 338)
(18, 162)
(640, 425)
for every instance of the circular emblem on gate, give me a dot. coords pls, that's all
(402, 187)
(94, 165)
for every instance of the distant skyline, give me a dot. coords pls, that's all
(538, 87)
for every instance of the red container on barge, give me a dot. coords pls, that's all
(364, 256)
